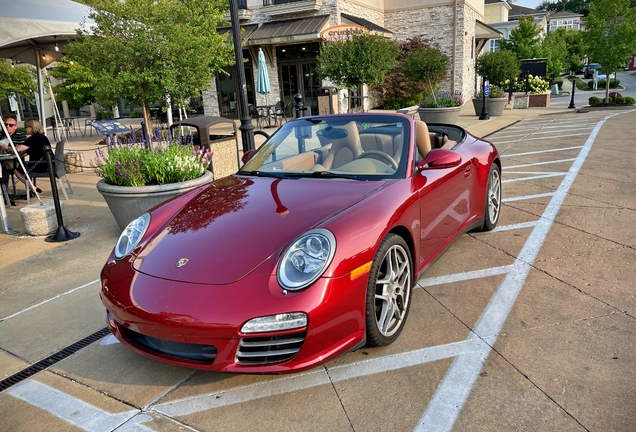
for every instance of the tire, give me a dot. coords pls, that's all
(492, 206)
(389, 291)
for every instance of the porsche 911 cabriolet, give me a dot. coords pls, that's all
(312, 249)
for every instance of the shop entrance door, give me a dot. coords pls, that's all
(300, 77)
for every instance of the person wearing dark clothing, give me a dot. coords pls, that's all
(34, 148)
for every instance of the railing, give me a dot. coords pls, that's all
(278, 2)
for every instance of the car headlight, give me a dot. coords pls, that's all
(131, 236)
(306, 259)
(285, 321)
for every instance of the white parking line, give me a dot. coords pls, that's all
(541, 151)
(538, 163)
(535, 177)
(538, 138)
(49, 300)
(527, 197)
(451, 395)
(458, 277)
(521, 225)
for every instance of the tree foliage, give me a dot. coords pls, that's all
(399, 91)
(525, 40)
(574, 46)
(555, 49)
(78, 83)
(576, 6)
(611, 34)
(142, 49)
(498, 66)
(20, 80)
(427, 65)
(362, 59)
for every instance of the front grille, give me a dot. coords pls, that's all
(176, 350)
(264, 350)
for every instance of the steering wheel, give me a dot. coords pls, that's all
(382, 155)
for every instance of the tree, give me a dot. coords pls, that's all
(498, 66)
(427, 65)
(524, 41)
(78, 83)
(143, 49)
(554, 48)
(362, 59)
(576, 6)
(17, 79)
(611, 35)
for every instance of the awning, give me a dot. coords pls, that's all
(484, 31)
(246, 31)
(286, 31)
(373, 28)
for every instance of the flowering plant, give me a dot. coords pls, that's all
(442, 100)
(495, 92)
(537, 85)
(135, 165)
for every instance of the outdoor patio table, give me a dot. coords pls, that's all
(266, 111)
(72, 124)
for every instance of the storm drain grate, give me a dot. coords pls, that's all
(52, 359)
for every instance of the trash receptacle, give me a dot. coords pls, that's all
(555, 89)
(327, 100)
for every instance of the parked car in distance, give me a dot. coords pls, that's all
(603, 76)
(589, 70)
(312, 249)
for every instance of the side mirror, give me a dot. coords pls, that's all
(247, 156)
(438, 159)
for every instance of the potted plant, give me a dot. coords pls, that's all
(497, 101)
(429, 66)
(441, 107)
(136, 178)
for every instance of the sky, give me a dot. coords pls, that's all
(528, 3)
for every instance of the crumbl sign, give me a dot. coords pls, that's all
(342, 32)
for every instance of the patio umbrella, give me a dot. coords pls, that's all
(262, 81)
(36, 32)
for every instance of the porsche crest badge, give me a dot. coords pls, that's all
(182, 262)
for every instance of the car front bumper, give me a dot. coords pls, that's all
(196, 325)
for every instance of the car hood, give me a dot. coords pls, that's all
(236, 223)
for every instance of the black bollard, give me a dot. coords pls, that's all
(61, 234)
(298, 106)
(484, 109)
(573, 81)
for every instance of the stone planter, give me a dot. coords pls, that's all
(439, 115)
(521, 101)
(127, 202)
(539, 100)
(494, 106)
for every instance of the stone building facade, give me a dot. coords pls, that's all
(289, 34)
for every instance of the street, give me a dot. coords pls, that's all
(528, 327)
(627, 80)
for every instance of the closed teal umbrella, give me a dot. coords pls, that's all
(262, 81)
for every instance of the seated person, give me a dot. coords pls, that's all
(34, 148)
(11, 123)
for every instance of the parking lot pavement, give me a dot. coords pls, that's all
(528, 327)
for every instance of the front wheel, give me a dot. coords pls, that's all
(388, 291)
(493, 199)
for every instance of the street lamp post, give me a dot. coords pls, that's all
(573, 81)
(246, 127)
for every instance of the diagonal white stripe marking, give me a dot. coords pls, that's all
(69, 408)
(539, 163)
(458, 277)
(522, 225)
(539, 138)
(541, 151)
(535, 177)
(451, 395)
(527, 197)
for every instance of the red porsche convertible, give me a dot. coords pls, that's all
(310, 250)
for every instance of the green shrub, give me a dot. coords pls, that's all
(620, 100)
(498, 66)
(601, 83)
(136, 113)
(628, 100)
(593, 101)
(495, 92)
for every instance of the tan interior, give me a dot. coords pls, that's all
(299, 162)
(343, 150)
(422, 138)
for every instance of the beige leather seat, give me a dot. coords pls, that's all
(343, 150)
(422, 138)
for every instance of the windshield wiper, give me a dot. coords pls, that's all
(273, 174)
(324, 174)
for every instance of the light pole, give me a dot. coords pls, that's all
(246, 127)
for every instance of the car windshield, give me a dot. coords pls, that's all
(594, 66)
(357, 147)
